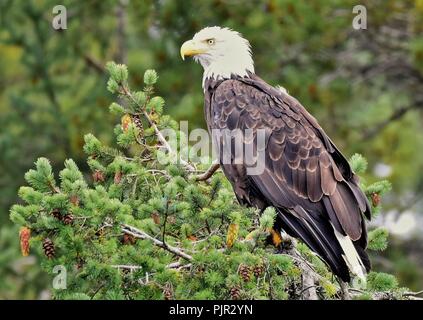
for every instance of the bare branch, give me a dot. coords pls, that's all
(126, 267)
(178, 265)
(398, 114)
(418, 293)
(93, 63)
(345, 295)
(137, 233)
(386, 295)
(207, 174)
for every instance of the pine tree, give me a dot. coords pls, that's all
(141, 229)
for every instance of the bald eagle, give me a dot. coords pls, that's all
(305, 176)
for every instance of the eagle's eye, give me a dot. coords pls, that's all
(210, 41)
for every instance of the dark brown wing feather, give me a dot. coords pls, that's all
(305, 175)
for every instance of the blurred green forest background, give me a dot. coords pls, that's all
(365, 87)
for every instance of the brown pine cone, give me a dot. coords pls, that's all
(375, 199)
(167, 292)
(235, 293)
(118, 177)
(245, 272)
(156, 217)
(74, 199)
(98, 176)
(139, 125)
(128, 239)
(138, 122)
(56, 213)
(48, 247)
(67, 219)
(258, 270)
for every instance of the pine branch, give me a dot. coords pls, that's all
(174, 265)
(126, 267)
(159, 135)
(413, 294)
(345, 295)
(93, 63)
(54, 189)
(137, 233)
(207, 174)
(386, 295)
(179, 265)
(309, 277)
(398, 114)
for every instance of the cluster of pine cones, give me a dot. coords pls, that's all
(66, 218)
(246, 271)
(48, 245)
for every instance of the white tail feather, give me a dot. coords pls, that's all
(351, 257)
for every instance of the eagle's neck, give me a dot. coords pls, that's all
(231, 65)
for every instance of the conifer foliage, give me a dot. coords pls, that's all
(140, 229)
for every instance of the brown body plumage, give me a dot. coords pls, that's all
(306, 177)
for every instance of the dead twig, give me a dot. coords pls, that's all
(398, 114)
(207, 174)
(137, 233)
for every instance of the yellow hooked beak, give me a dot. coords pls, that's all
(191, 48)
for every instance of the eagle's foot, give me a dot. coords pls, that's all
(281, 241)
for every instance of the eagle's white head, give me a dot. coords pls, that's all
(221, 51)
